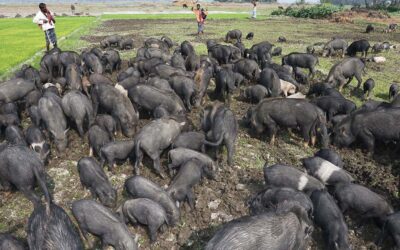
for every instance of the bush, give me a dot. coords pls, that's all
(278, 12)
(314, 12)
(390, 8)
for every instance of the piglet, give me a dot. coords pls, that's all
(98, 220)
(146, 212)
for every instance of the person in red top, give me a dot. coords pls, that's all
(201, 16)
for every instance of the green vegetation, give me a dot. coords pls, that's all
(21, 39)
(313, 12)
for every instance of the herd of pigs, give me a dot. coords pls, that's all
(74, 90)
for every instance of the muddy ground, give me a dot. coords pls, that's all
(225, 198)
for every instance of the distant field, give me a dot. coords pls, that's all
(177, 16)
(21, 39)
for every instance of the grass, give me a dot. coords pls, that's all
(21, 39)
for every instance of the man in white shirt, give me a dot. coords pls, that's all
(45, 19)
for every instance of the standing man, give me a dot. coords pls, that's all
(201, 15)
(45, 19)
(254, 15)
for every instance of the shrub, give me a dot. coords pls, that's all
(390, 8)
(314, 12)
(278, 12)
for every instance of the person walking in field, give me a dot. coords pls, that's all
(254, 14)
(201, 16)
(45, 19)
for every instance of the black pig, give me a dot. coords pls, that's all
(93, 177)
(188, 176)
(140, 187)
(116, 151)
(98, 220)
(364, 202)
(53, 230)
(328, 216)
(146, 212)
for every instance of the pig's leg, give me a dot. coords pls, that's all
(312, 73)
(86, 91)
(358, 77)
(85, 236)
(313, 140)
(80, 128)
(171, 169)
(217, 151)
(157, 165)
(188, 95)
(330, 115)
(228, 98)
(342, 82)
(118, 126)
(104, 245)
(208, 173)
(397, 239)
(190, 198)
(349, 81)
(153, 227)
(230, 146)
(383, 235)
(369, 141)
(4, 185)
(203, 148)
(93, 193)
(110, 161)
(132, 218)
(90, 151)
(272, 132)
(291, 134)
(111, 135)
(102, 161)
(95, 103)
(139, 158)
(343, 207)
(305, 132)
